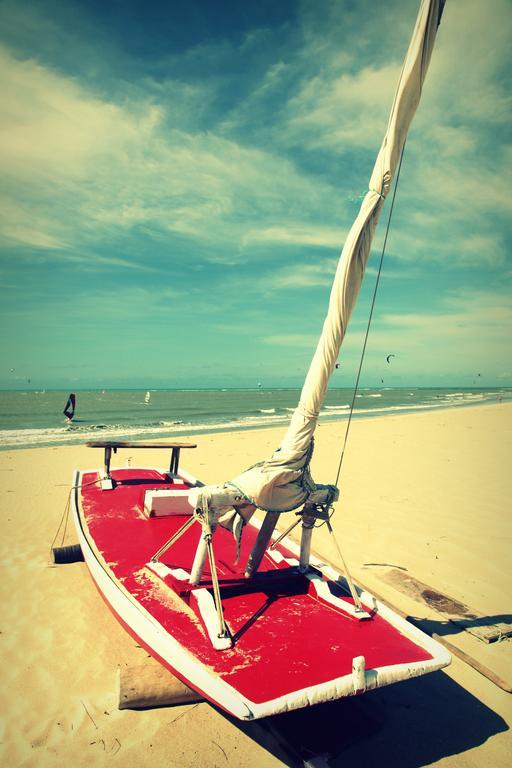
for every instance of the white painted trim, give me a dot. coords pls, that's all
(277, 557)
(359, 674)
(162, 570)
(321, 588)
(107, 484)
(188, 477)
(206, 606)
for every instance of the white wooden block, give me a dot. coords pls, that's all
(206, 606)
(160, 503)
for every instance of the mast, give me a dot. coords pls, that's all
(283, 482)
(354, 256)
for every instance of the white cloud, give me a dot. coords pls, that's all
(422, 244)
(474, 313)
(466, 74)
(301, 340)
(297, 234)
(22, 223)
(347, 112)
(302, 276)
(453, 163)
(344, 105)
(52, 129)
(457, 151)
(107, 166)
(81, 169)
(469, 330)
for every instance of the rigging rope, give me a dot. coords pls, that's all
(348, 577)
(370, 315)
(64, 519)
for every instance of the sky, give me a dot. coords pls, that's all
(178, 179)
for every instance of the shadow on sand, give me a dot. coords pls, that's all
(446, 628)
(408, 725)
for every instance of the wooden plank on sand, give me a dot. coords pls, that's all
(453, 610)
(150, 685)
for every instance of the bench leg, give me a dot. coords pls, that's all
(175, 461)
(108, 456)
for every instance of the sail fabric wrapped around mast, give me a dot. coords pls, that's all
(283, 482)
(353, 259)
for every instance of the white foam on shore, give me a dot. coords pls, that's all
(74, 434)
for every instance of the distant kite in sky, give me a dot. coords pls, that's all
(389, 357)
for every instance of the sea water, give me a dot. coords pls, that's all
(35, 418)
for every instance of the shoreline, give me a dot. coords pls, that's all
(188, 430)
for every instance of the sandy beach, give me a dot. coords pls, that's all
(424, 498)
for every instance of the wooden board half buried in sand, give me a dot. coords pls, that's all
(151, 685)
(482, 627)
(474, 640)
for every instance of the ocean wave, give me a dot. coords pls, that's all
(396, 409)
(26, 438)
(455, 394)
(207, 420)
(432, 406)
(33, 438)
(455, 397)
(264, 419)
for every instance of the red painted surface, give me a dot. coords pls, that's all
(286, 638)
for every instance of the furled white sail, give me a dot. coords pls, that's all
(283, 482)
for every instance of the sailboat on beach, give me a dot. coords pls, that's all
(252, 621)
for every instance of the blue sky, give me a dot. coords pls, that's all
(178, 180)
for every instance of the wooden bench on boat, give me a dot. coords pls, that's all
(112, 446)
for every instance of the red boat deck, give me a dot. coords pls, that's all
(285, 636)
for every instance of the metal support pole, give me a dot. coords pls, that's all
(223, 630)
(175, 460)
(285, 533)
(308, 523)
(173, 538)
(108, 456)
(199, 560)
(261, 543)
